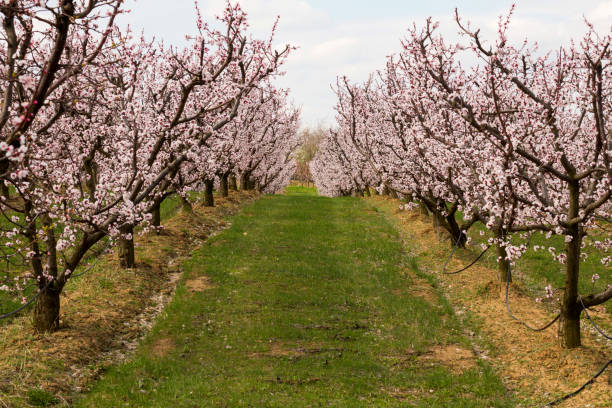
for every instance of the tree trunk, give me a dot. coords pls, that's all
(47, 311)
(90, 170)
(232, 182)
(503, 264)
(209, 200)
(244, 181)
(458, 236)
(367, 192)
(223, 185)
(435, 223)
(393, 194)
(569, 324)
(125, 247)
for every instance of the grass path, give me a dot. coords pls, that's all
(305, 301)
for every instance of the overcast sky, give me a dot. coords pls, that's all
(352, 37)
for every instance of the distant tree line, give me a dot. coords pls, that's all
(310, 138)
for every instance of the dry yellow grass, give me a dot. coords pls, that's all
(533, 365)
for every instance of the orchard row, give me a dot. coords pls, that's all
(519, 140)
(98, 126)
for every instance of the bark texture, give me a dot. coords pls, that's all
(224, 185)
(232, 184)
(47, 311)
(4, 190)
(244, 181)
(569, 324)
(125, 248)
(156, 215)
(502, 262)
(209, 200)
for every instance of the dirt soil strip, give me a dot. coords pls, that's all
(106, 312)
(532, 365)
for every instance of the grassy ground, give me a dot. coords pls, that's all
(104, 313)
(9, 270)
(304, 301)
(536, 269)
(533, 365)
(10, 301)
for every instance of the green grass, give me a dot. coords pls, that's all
(301, 190)
(41, 398)
(536, 269)
(172, 204)
(9, 270)
(169, 206)
(309, 308)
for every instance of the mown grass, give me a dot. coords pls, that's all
(300, 189)
(103, 312)
(306, 305)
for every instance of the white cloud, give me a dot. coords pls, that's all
(296, 15)
(603, 11)
(331, 46)
(334, 48)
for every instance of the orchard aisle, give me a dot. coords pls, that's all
(304, 301)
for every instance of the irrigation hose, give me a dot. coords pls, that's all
(579, 390)
(464, 268)
(592, 379)
(453, 252)
(586, 313)
(28, 303)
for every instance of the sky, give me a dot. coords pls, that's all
(353, 37)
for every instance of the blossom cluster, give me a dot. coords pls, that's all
(520, 140)
(123, 122)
